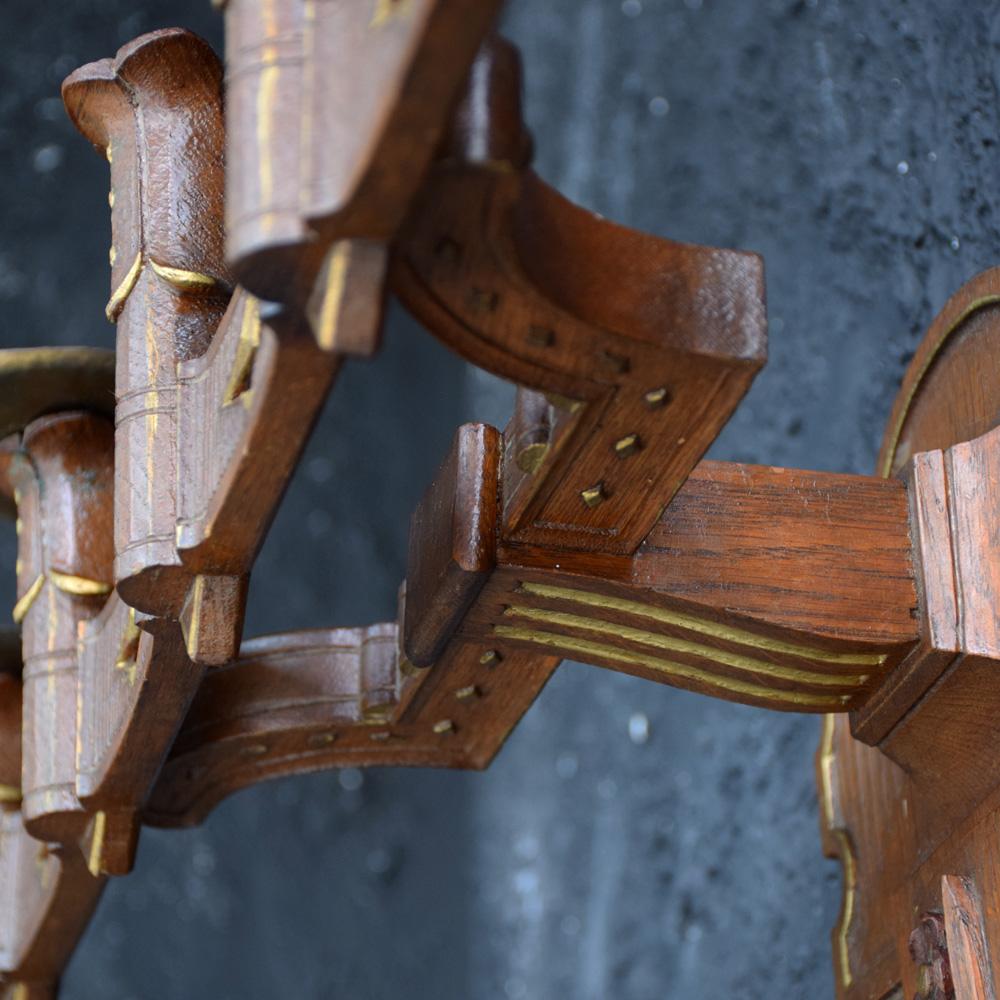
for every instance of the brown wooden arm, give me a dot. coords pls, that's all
(309, 701)
(214, 407)
(60, 474)
(793, 590)
(786, 589)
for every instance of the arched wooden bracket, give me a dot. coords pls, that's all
(310, 701)
(519, 281)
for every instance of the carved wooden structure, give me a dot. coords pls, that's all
(251, 257)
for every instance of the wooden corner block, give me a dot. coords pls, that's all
(453, 542)
(212, 618)
(942, 721)
(934, 569)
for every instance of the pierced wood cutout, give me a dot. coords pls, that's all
(379, 145)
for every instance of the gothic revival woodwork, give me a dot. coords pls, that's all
(259, 218)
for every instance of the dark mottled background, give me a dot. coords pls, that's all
(631, 841)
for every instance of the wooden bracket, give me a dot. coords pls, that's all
(592, 527)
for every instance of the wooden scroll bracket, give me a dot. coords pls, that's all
(514, 563)
(591, 528)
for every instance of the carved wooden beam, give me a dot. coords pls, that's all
(591, 528)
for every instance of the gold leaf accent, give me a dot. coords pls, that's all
(30, 595)
(78, 585)
(239, 378)
(333, 295)
(737, 661)
(600, 651)
(97, 844)
(117, 301)
(180, 278)
(729, 633)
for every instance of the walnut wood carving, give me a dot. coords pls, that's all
(350, 149)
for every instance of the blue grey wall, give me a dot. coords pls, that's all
(631, 841)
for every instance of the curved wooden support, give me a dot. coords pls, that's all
(156, 112)
(309, 701)
(335, 110)
(948, 394)
(518, 280)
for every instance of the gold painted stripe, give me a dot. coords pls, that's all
(79, 585)
(97, 844)
(10, 793)
(897, 430)
(587, 648)
(245, 349)
(386, 10)
(850, 867)
(179, 278)
(826, 770)
(704, 626)
(845, 852)
(735, 660)
(333, 294)
(267, 89)
(121, 293)
(30, 595)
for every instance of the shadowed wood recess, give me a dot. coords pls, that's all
(259, 217)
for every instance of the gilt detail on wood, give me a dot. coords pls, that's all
(374, 146)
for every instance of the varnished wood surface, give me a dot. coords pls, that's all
(591, 528)
(155, 112)
(644, 380)
(63, 481)
(916, 833)
(453, 542)
(335, 111)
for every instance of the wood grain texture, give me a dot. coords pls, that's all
(136, 683)
(916, 833)
(63, 478)
(453, 541)
(155, 111)
(310, 701)
(369, 144)
(948, 394)
(47, 896)
(756, 585)
(968, 952)
(335, 111)
(519, 281)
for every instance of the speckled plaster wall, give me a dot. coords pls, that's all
(631, 841)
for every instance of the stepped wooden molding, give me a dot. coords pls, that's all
(260, 217)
